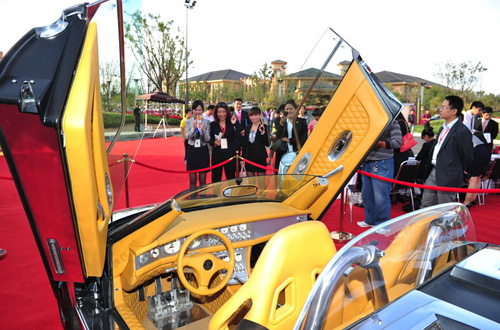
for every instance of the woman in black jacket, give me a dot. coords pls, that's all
(224, 139)
(285, 131)
(256, 139)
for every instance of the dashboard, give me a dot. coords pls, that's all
(243, 236)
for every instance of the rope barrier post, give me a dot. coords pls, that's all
(341, 236)
(237, 174)
(125, 161)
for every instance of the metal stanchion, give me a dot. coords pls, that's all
(125, 161)
(237, 174)
(341, 236)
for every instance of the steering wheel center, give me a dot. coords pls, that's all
(208, 264)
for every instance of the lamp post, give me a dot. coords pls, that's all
(420, 106)
(136, 88)
(109, 94)
(188, 5)
(481, 70)
(278, 74)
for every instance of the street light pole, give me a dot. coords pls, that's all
(109, 94)
(419, 111)
(481, 70)
(278, 73)
(188, 5)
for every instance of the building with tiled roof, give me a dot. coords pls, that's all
(408, 87)
(213, 82)
(324, 88)
(219, 76)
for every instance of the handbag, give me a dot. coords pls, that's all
(408, 142)
(243, 171)
(276, 145)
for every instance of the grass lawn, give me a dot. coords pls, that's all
(435, 124)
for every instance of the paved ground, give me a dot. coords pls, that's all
(128, 133)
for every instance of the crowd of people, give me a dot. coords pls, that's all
(215, 135)
(458, 154)
(456, 157)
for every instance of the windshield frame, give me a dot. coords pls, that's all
(270, 188)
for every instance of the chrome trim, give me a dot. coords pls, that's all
(340, 145)
(82, 319)
(109, 190)
(320, 297)
(100, 211)
(333, 172)
(302, 164)
(286, 161)
(176, 206)
(449, 220)
(53, 29)
(55, 255)
(125, 213)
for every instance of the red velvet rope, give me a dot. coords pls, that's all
(421, 186)
(193, 171)
(257, 165)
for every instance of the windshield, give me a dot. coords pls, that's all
(268, 188)
(384, 263)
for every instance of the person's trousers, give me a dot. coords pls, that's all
(377, 193)
(433, 197)
(229, 168)
(137, 124)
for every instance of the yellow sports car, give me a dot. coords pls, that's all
(239, 254)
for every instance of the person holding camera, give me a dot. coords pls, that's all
(285, 131)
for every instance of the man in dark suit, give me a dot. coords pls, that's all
(488, 126)
(241, 115)
(451, 154)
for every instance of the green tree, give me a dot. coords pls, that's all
(199, 92)
(491, 100)
(462, 77)
(108, 72)
(160, 54)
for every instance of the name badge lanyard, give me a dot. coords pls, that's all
(223, 130)
(442, 136)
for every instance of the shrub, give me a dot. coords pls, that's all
(113, 119)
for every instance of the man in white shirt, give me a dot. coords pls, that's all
(470, 115)
(451, 154)
(209, 113)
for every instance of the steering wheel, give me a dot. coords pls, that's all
(204, 265)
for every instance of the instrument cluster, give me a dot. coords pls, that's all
(235, 233)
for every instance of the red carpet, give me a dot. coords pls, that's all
(26, 298)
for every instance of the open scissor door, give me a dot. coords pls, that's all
(52, 135)
(359, 111)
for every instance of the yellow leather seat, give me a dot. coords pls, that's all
(282, 278)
